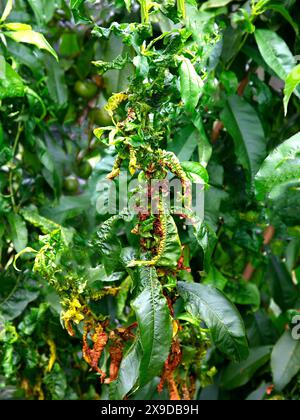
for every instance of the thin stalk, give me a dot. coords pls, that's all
(14, 151)
(181, 8)
(144, 11)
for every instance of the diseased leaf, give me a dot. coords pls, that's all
(171, 251)
(285, 360)
(155, 326)
(220, 315)
(117, 64)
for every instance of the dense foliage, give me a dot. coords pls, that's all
(147, 306)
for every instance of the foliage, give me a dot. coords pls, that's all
(146, 306)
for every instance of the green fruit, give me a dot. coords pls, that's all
(71, 185)
(86, 89)
(100, 116)
(84, 170)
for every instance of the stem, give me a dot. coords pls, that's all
(144, 11)
(15, 146)
(181, 8)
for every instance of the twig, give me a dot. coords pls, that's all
(14, 151)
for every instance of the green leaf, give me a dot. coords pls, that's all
(56, 82)
(185, 142)
(17, 26)
(260, 329)
(275, 52)
(128, 372)
(204, 146)
(284, 292)
(280, 167)
(75, 4)
(191, 84)
(243, 293)
(34, 38)
(2, 67)
(291, 83)
(207, 239)
(11, 84)
(155, 326)
(17, 301)
(285, 360)
(56, 383)
(280, 8)
(216, 279)
(19, 233)
(69, 45)
(32, 319)
(5, 155)
(43, 9)
(220, 315)
(196, 172)
(215, 3)
(7, 10)
(259, 393)
(244, 126)
(238, 374)
(78, 10)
